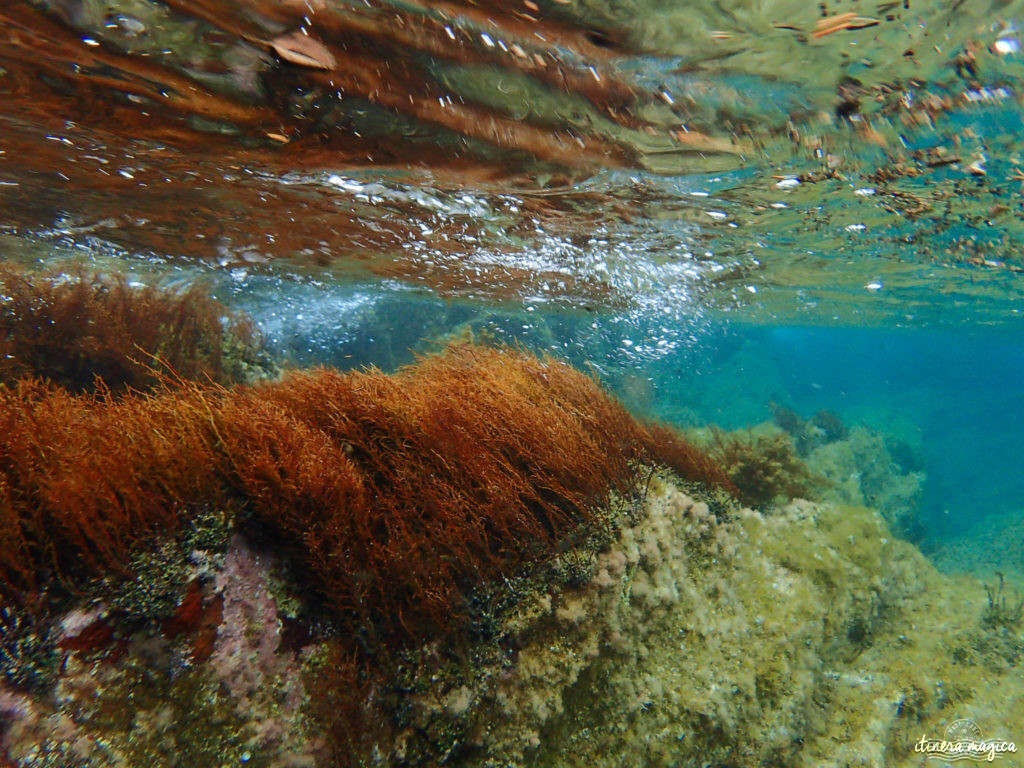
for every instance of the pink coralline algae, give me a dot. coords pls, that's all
(264, 680)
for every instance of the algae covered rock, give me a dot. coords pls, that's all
(808, 637)
(701, 640)
(861, 469)
(683, 630)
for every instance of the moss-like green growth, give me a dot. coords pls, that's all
(999, 613)
(152, 718)
(29, 659)
(997, 642)
(160, 577)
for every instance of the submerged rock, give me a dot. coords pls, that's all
(696, 634)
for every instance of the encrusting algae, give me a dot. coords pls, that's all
(472, 562)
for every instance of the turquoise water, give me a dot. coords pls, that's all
(952, 392)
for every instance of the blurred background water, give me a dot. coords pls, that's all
(712, 206)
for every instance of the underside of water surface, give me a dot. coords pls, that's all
(789, 231)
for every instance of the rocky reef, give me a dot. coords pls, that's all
(822, 459)
(699, 632)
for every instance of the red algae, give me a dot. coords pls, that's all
(385, 508)
(393, 496)
(78, 329)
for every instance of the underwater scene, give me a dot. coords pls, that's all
(468, 383)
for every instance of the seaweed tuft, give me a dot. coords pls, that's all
(764, 468)
(91, 332)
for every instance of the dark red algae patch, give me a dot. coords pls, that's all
(83, 330)
(371, 515)
(390, 494)
(197, 616)
(98, 636)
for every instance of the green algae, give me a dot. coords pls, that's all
(29, 659)
(160, 577)
(156, 719)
